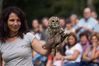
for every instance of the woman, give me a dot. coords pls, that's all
(73, 52)
(84, 41)
(15, 44)
(90, 54)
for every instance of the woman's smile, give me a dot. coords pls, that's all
(13, 22)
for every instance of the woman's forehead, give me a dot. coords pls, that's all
(13, 15)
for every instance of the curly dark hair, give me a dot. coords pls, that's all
(4, 31)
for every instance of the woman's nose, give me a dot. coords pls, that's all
(15, 22)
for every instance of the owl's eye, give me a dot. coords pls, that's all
(56, 20)
(52, 20)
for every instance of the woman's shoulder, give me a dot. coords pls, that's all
(78, 45)
(29, 36)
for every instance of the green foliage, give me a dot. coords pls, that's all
(96, 4)
(41, 8)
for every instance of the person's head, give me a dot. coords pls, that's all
(94, 39)
(35, 23)
(73, 19)
(72, 39)
(12, 21)
(62, 22)
(94, 14)
(87, 13)
(68, 24)
(84, 38)
(45, 22)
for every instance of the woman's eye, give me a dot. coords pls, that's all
(18, 20)
(11, 20)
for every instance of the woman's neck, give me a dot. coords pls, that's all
(70, 46)
(13, 34)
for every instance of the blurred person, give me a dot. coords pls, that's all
(16, 44)
(45, 23)
(96, 28)
(43, 33)
(94, 15)
(73, 51)
(87, 23)
(35, 28)
(38, 59)
(60, 52)
(84, 41)
(35, 25)
(62, 22)
(74, 19)
(90, 53)
(57, 61)
(69, 29)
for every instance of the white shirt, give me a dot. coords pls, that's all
(38, 36)
(68, 31)
(18, 52)
(70, 51)
(57, 63)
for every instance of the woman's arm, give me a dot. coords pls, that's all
(37, 45)
(93, 55)
(72, 57)
(97, 54)
(85, 55)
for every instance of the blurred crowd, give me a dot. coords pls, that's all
(82, 46)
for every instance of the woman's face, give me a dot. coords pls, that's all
(83, 40)
(14, 22)
(94, 40)
(35, 24)
(71, 40)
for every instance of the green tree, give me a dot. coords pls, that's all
(41, 8)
